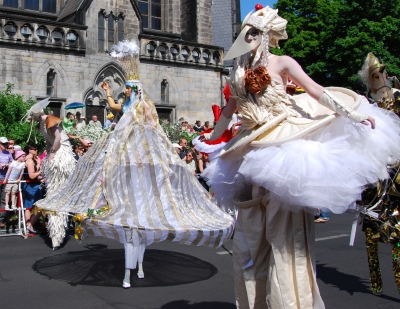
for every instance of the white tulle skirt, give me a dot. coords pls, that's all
(327, 169)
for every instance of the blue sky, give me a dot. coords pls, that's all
(247, 5)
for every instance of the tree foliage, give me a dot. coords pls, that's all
(331, 38)
(12, 109)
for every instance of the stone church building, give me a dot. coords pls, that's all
(60, 49)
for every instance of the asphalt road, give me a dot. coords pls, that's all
(89, 274)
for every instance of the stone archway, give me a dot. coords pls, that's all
(95, 97)
(63, 84)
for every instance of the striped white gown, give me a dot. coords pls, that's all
(136, 171)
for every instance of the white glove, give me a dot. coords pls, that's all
(392, 162)
(329, 101)
(219, 129)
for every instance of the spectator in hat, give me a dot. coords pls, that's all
(109, 121)
(80, 122)
(197, 126)
(95, 122)
(13, 178)
(5, 159)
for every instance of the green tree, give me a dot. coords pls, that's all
(13, 108)
(331, 38)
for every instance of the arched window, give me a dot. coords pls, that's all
(101, 32)
(151, 13)
(164, 91)
(110, 32)
(11, 3)
(32, 5)
(49, 6)
(51, 83)
(120, 28)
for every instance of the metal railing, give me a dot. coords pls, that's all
(21, 227)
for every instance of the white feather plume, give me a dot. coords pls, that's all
(39, 106)
(125, 49)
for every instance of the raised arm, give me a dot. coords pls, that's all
(110, 100)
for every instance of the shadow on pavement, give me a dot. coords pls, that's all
(346, 282)
(184, 304)
(106, 267)
(349, 283)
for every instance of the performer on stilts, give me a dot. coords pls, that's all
(327, 134)
(381, 221)
(58, 164)
(132, 186)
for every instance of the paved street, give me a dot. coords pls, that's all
(89, 274)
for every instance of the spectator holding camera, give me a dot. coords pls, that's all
(68, 122)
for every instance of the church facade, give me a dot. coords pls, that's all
(60, 49)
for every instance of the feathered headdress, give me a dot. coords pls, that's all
(127, 54)
(36, 109)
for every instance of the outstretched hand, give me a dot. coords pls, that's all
(369, 121)
(105, 86)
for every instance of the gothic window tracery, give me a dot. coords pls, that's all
(110, 30)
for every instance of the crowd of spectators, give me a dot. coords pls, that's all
(17, 165)
(195, 161)
(196, 127)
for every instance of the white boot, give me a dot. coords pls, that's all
(126, 284)
(140, 272)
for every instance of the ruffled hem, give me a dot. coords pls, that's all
(327, 169)
(212, 150)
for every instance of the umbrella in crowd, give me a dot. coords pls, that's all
(75, 105)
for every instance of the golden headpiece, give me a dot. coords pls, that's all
(375, 65)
